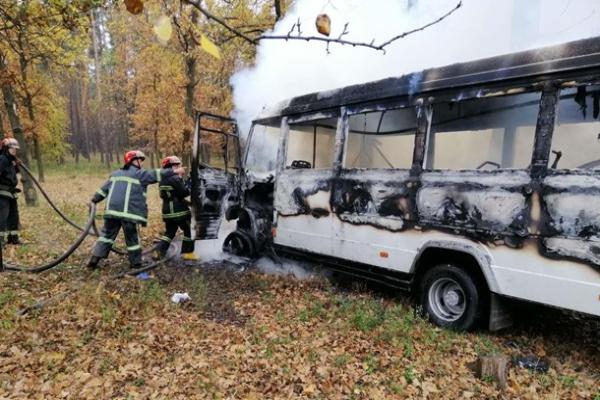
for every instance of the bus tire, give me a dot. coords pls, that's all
(239, 243)
(451, 298)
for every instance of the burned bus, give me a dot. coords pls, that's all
(470, 184)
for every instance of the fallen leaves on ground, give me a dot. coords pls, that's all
(246, 335)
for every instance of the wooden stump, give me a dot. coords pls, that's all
(492, 367)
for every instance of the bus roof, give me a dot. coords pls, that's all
(571, 56)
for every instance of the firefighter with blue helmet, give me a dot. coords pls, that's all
(9, 211)
(126, 208)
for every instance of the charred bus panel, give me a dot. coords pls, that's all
(465, 183)
(215, 172)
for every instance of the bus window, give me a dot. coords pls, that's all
(483, 133)
(312, 144)
(381, 139)
(262, 148)
(577, 131)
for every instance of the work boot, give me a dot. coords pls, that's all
(190, 256)
(136, 266)
(13, 239)
(93, 263)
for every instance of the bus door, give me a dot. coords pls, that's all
(372, 195)
(215, 172)
(303, 186)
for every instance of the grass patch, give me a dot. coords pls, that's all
(568, 381)
(367, 315)
(198, 290)
(7, 296)
(372, 363)
(314, 309)
(151, 293)
(84, 167)
(484, 345)
(410, 374)
(341, 360)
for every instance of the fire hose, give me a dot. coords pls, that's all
(75, 245)
(85, 231)
(68, 220)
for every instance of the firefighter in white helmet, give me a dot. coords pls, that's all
(175, 210)
(9, 211)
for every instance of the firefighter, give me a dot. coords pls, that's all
(175, 210)
(125, 194)
(9, 211)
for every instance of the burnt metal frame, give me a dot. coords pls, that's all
(196, 148)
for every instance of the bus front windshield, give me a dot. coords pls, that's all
(262, 149)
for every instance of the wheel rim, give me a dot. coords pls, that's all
(447, 299)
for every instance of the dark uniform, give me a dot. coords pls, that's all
(175, 213)
(125, 194)
(9, 211)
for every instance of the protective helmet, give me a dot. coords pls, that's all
(11, 143)
(133, 155)
(169, 161)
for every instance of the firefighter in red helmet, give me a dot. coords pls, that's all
(9, 211)
(175, 210)
(125, 194)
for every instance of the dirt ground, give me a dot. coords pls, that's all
(248, 335)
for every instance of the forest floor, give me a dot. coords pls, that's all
(248, 335)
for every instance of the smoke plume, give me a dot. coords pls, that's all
(480, 28)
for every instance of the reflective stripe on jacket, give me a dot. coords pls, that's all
(125, 193)
(173, 192)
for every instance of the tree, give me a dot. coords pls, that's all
(36, 37)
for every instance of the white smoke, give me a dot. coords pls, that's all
(480, 28)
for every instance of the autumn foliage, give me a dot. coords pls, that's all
(99, 76)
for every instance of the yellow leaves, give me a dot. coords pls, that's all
(163, 29)
(210, 47)
(323, 24)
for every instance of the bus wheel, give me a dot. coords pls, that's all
(240, 244)
(451, 298)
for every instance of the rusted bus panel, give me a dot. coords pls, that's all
(489, 204)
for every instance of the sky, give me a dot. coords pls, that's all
(479, 29)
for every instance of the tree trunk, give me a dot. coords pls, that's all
(493, 367)
(17, 128)
(278, 13)
(190, 87)
(96, 33)
(156, 143)
(2, 134)
(37, 150)
(77, 119)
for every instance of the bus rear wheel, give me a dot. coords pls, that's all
(451, 298)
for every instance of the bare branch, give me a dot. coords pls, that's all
(220, 21)
(338, 40)
(345, 31)
(402, 35)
